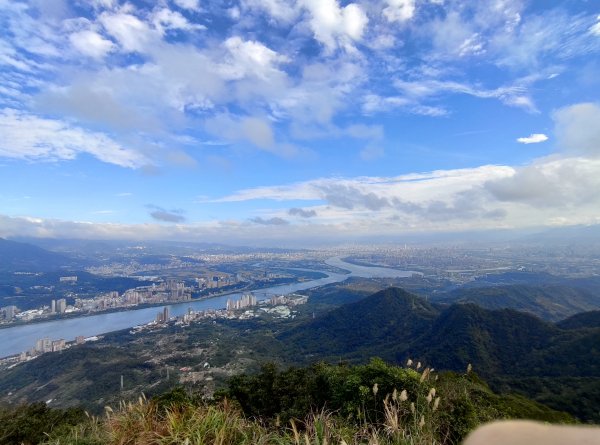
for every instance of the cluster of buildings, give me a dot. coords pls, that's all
(43, 346)
(160, 291)
(164, 292)
(287, 300)
(167, 291)
(247, 300)
(245, 308)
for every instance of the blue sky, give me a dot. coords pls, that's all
(270, 121)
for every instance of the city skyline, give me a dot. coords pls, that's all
(292, 121)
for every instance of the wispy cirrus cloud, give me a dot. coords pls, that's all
(30, 137)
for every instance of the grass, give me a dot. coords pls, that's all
(428, 410)
(143, 423)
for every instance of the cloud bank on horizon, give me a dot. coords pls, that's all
(287, 120)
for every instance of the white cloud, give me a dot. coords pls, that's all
(255, 130)
(534, 138)
(29, 137)
(399, 10)
(193, 5)
(102, 3)
(553, 185)
(335, 26)
(324, 89)
(454, 36)
(595, 29)
(164, 19)
(434, 185)
(249, 57)
(281, 10)
(578, 129)
(373, 103)
(258, 131)
(90, 43)
(537, 37)
(512, 95)
(132, 33)
(546, 190)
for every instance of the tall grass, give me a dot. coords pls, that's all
(431, 412)
(147, 423)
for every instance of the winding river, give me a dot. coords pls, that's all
(23, 337)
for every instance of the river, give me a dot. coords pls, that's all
(23, 337)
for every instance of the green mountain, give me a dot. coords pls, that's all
(25, 257)
(550, 302)
(505, 346)
(387, 320)
(395, 325)
(495, 341)
(589, 319)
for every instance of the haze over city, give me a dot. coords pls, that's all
(268, 122)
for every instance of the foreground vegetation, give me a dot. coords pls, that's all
(322, 404)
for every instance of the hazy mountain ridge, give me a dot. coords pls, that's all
(17, 256)
(549, 302)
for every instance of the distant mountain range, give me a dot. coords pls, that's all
(111, 247)
(16, 256)
(551, 302)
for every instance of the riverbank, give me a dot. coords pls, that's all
(21, 338)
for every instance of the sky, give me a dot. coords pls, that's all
(297, 122)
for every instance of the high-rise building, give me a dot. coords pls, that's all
(53, 306)
(245, 301)
(8, 312)
(61, 306)
(43, 345)
(163, 317)
(58, 345)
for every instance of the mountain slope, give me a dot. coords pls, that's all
(561, 361)
(549, 302)
(589, 319)
(395, 324)
(26, 257)
(387, 321)
(495, 341)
